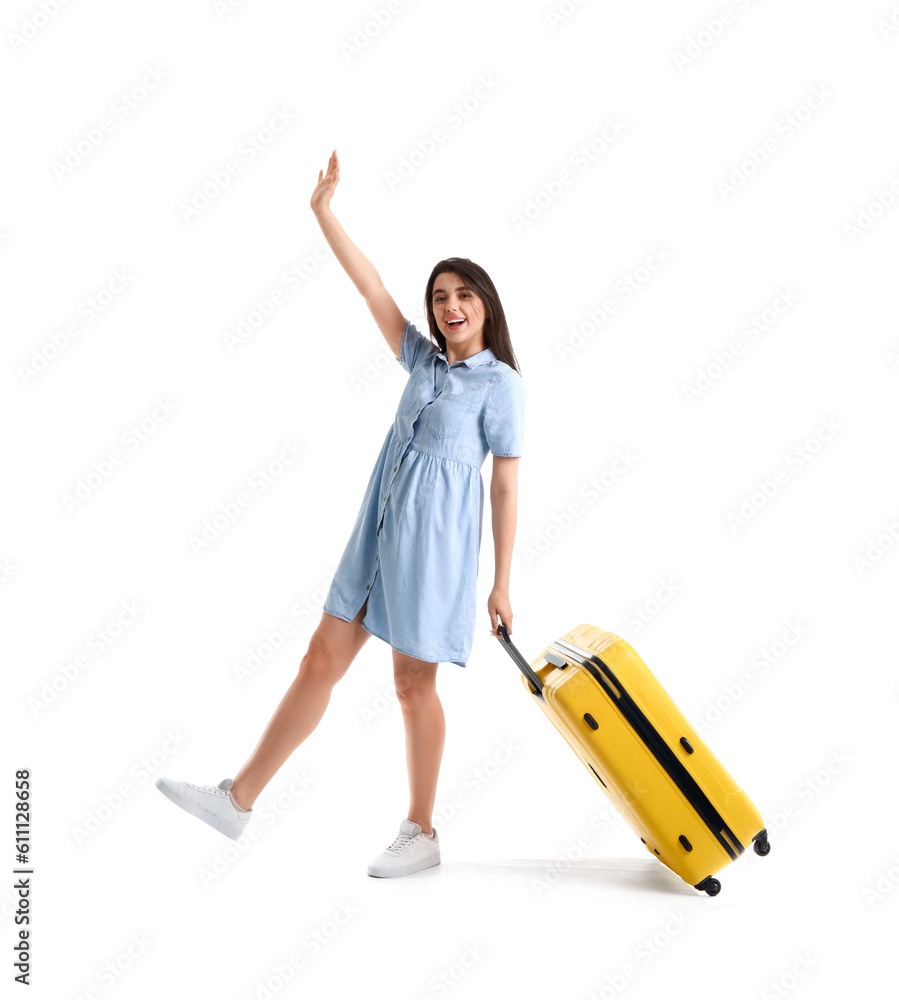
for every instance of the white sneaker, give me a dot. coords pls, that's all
(410, 852)
(213, 804)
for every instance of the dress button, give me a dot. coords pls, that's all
(394, 468)
(366, 587)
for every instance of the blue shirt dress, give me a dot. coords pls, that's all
(414, 548)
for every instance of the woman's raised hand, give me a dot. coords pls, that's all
(321, 196)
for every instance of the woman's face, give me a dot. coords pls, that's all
(453, 300)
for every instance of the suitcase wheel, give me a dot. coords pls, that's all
(760, 844)
(710, 885)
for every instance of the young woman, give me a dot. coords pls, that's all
(409, 571)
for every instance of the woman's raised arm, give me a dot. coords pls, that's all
(362, 272)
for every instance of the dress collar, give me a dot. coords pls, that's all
(481, 358)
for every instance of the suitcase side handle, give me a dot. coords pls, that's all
(502, 633)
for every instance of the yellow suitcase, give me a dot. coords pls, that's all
(666, 783)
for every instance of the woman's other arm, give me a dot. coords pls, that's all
(504, 510)
(362, 272)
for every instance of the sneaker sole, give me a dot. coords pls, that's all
(408, 869)
(195, 809)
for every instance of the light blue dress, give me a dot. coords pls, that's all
(414, 548)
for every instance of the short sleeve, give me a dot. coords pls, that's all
(504, 415)
(413, 347)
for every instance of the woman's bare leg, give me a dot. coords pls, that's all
(332, 648)
(416, 689)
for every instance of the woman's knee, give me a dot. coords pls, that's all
(415, 680)
(324, 661)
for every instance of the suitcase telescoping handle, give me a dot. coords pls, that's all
(502, 633)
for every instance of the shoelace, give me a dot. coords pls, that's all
(400, 844)
(214, 789)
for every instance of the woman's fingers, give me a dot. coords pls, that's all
(327, 182)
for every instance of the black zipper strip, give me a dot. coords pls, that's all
(658, 747)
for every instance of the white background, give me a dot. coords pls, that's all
(684, 553)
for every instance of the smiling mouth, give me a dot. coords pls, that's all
(454, 324)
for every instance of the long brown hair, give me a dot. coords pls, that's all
(496, 330)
